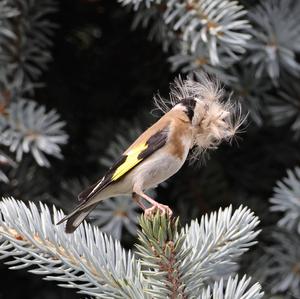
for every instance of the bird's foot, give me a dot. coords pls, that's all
(157, 206)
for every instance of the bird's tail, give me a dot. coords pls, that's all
(75, 218)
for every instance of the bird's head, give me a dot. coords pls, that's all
(212, 119)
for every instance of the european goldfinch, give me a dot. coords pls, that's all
(194, 118)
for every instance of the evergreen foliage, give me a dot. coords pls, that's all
(286, 200)
(25, 39)
(173, 263)
(275, 38)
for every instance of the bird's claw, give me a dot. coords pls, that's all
(162, 208)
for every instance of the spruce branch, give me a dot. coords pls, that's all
(198, 61)
(280, 270)
(198, 253)
(201, 34)
(218, 24)
(87, 260)
(233, 289)
(26, 39)
(286, 199)
(216, 242)
(169, 265)
(26, 127)
(153, 19)
(138, 3)
(7, 11)
(5, 160)
(283, 107)
(276, 38)
(161, 251)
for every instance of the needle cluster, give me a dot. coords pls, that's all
(170, 262)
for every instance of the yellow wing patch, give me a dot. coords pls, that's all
(131, 161)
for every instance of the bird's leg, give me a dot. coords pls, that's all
(136, 198)
(156, 205)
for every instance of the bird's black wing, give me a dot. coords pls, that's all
(127, 162)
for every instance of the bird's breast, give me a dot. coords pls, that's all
(165, 162)
(156, 169)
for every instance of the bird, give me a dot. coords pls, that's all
(195, 118)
